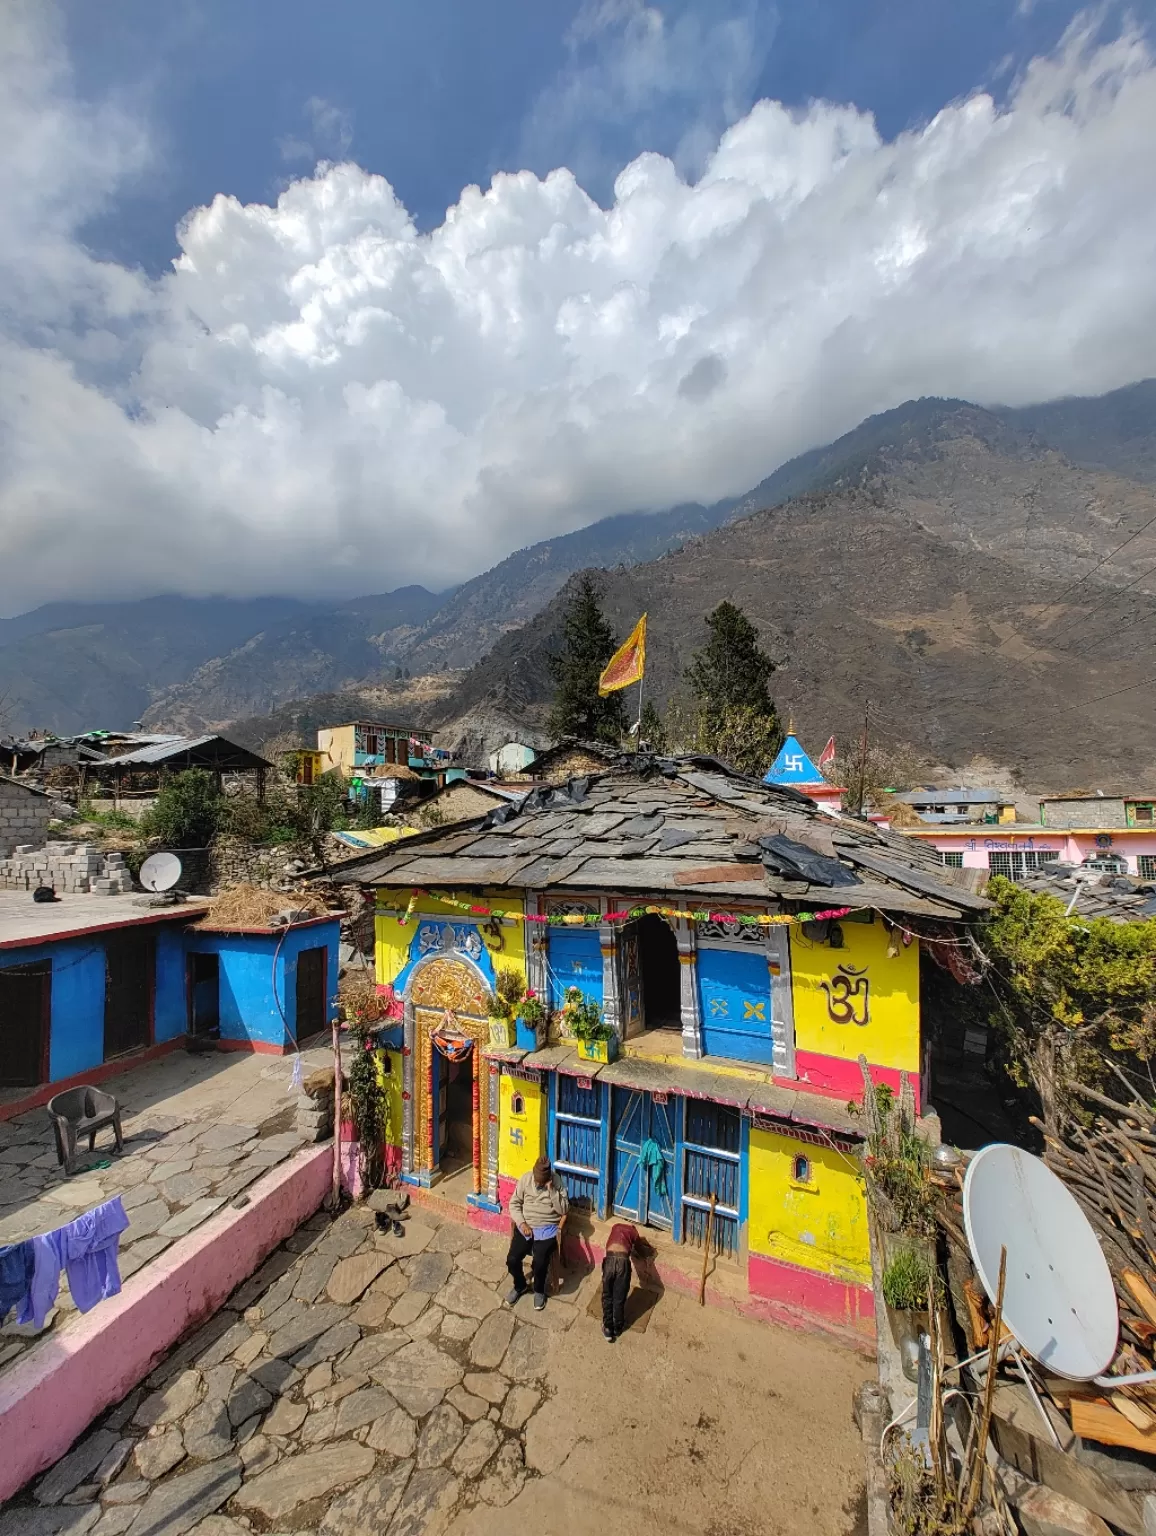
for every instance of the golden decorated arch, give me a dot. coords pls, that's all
(448, 997)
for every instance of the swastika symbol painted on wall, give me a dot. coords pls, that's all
(793, 763)
(516, 1137)
(755, 1011)
(719, 1008)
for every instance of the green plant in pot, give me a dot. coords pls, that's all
(909, 1291)
(531, 1022)
(582, 1019)
(502, 1006)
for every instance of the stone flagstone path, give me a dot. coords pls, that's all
(359, 1384)
(176, 1171)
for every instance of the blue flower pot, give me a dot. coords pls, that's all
(527, 1036)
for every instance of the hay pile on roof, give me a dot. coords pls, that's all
(252, 906)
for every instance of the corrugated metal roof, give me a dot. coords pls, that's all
(172, 747)
(650, 827)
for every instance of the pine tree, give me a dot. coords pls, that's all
(588, 642)
(731, 672)
(737, 720)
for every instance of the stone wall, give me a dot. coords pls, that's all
(232, 861)
(24, 815)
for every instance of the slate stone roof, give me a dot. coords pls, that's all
(1119, 897)
(684, 827)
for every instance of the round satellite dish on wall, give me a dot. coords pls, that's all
(1059, 1299)
(160, 872)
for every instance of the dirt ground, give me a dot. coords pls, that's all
(373, 1383)
(706, 1423)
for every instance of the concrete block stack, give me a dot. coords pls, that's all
(315, 1106)
(67, 867)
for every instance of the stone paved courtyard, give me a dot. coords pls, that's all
(362, 1383)
(198, 1131)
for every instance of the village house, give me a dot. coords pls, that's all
(358, 747)
(90, 984)
(1113, 833)
(946, 806)
(746, 950)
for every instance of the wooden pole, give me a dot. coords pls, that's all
(706, 1251)
(988, 1396)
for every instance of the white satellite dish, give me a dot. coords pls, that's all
(160, 872)
(1059, 1299)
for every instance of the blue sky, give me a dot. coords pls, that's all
(328, 298)
(240, 95)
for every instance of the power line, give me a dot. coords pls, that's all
(1074, 586)
(1087, 703)
(1086, 618)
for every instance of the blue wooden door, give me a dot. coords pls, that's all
(712, 1154)
(575, 960)
(735, 1000)
(643, 1194)
(628, 1118)
(660, 1185)
(578, 1140)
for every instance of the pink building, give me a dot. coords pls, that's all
(1114, 833)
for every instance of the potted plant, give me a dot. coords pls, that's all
(532, 1016)
(502, 1005)
(583, 1021)
(908, 1282)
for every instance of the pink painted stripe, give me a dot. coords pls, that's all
(838, 1301)
(52, 1394)
(38, 1096)
(840, 1078)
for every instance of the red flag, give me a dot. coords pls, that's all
(827, 755)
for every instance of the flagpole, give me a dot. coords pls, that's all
(638, 728)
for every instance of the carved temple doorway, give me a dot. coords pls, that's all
(450, 1026)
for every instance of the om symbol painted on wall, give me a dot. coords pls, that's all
(848, 996)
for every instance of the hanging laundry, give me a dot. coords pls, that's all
(86, 1249)
(17, 1264)
(651, 1158)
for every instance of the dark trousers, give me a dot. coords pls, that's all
(541, 1253)
(615, 1289)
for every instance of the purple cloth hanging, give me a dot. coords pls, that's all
(86, 1249)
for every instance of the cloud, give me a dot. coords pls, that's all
(637, 76)
(330, 137)
(319, 399)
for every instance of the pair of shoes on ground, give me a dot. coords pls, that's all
(609, 1335)
(514, 1295)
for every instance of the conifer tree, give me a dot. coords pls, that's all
(588, 642)
(737, 718)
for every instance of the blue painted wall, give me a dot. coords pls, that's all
(76, 1042)
(251, 966)
(248, 1009)
(575, 960)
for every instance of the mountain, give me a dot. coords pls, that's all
(312, 653)
(362, 643)
(78, 666)
(1048, 490)
(1113, 431)
(947, 571)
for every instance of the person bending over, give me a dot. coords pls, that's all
(620, 1246)
(538, 1209)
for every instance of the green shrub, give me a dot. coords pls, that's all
(189, 810)
(906, 1280)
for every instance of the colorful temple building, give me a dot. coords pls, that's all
(745, 951)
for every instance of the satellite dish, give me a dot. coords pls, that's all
(160, 872)
(1059, 1299)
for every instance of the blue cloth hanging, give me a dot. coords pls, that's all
(651, 1158)
(17, 1263)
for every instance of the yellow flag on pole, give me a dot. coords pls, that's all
(628, 663)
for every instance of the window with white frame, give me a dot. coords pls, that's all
(1014, 865)
(951, 860)
(1146, 866)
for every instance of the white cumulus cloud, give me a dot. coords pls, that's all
(320, 399)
